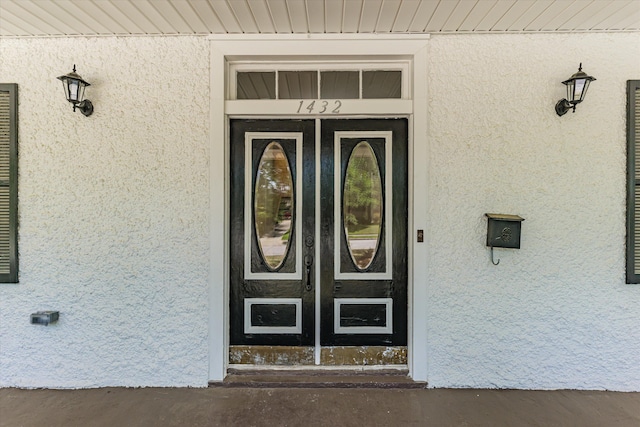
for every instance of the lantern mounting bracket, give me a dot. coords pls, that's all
(85, 107)
(563, 106)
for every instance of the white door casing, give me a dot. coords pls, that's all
(278, 48)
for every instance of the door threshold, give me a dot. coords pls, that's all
(243, 369)
(363, 377)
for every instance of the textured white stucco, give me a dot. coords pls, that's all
(556, 313)
(114, 214)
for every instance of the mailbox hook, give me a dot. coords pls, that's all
(492, 261)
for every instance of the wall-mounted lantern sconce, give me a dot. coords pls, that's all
(577, 87)
(74, 91)
(503, 231)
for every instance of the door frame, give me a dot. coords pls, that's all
(301, 47)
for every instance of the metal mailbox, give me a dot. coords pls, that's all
(503, 231)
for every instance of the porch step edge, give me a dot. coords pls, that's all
(350, 385)
(319, 380)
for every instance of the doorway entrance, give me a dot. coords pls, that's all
(318, 242)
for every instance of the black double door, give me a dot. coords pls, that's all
(318, 231)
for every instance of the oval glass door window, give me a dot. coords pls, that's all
(362, 205)
(273, 205)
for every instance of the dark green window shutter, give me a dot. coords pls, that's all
(633, 180)
(8, 183)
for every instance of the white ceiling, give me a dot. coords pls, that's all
(37, 18)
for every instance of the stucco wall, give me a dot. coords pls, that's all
(557, 312)
(113, 215)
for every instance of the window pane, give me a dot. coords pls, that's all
(273, 205)
(362, 205)
(256, 85)
(381, 84)
(298, 85)
(339, 85)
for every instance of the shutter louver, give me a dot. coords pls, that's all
(636, 208)
(5, 132)
(8, 184)
(633, 181)
(5, 231)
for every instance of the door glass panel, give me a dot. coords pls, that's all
(298, 85)
(256, 85)
(362, 205)
(273, 205)
(340, 84)
(381, 84)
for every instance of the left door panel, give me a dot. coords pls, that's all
(272, 205)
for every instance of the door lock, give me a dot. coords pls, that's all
(308, 262)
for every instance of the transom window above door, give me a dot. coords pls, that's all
(319, 81)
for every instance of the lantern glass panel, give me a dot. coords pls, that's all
(586, 86)
(65, 86)
(570, 95)
(74, 86)
(81, 88)
(580, 85)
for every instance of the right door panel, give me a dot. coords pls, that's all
(363, 199)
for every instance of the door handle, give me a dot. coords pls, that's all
(308, 262)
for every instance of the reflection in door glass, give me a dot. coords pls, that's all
(362, 205)
(273, 205)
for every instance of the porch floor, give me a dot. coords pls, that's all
(243, 406)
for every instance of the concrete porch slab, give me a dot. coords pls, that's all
(220, 406)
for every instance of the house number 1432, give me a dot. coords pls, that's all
(320, 107)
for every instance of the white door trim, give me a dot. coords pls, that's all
(228, 48)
